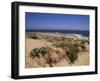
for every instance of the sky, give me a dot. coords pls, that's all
(48, 21)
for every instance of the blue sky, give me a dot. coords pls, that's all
(47, 21)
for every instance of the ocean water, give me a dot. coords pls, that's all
(79, 32)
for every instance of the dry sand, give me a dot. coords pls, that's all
(83, 57)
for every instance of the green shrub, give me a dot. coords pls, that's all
(83, 47)
(72, 56)
(34, 36)
(37, 52)
(72, 53)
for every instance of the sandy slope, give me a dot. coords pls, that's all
(31, 44)
(83, 57)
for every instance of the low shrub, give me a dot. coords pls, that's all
(37, 52)
(34, 36)
(72, 53)
(83, 47)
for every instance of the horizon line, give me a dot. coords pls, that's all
(53, 30)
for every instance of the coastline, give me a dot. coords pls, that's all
(57, 34)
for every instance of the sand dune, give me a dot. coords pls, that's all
(83, 57)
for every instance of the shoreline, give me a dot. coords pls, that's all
(57, 34)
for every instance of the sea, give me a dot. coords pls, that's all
(78, 32)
